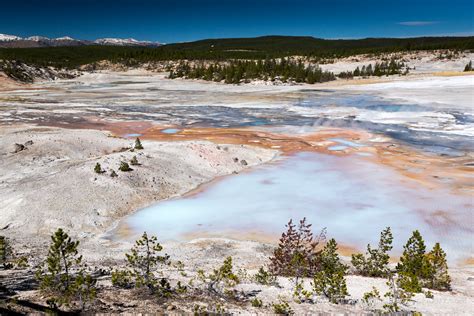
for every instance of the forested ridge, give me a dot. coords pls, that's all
(227, 49)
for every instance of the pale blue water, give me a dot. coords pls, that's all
(170, 131)
(354, 198)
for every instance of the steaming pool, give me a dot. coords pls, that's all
(352, 197)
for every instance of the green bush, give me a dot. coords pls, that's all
(282, 308)
(138, 144)
(256, 302)
(98, 168)
(375, 261)
(264, 277)
(330, 281)
(134, 161)
(220, 280)
(124, 167)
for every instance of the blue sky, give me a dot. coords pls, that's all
(186, 20)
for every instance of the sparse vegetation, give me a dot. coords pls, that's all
(399, 299)
(375, 261)
(256, 302)
(143, 262)
(282, 308)
(468, 66)
(113, 174)
(330, 281)
(98, 168)
(124, 167)
(62, 277)
(369, 299)
(297, 254)
(64, 282)
(134, 161)
(264, 277)
(138, 144)
(220, 280)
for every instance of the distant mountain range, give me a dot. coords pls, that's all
(12, 41)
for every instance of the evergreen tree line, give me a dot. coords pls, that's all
(227, 49)
(384, 68)
(237, 71)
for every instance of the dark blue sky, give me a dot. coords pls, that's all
(176, 21)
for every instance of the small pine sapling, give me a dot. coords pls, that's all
(124, 167)
(98, 168)
(138, 144)
(399, 299)
(330, 281)
(375, 262)
(56, 277)
(143, 261)
(134, 161)
(438, 277)
(220, 280)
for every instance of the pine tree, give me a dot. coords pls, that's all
(412, 259)
(468, 66)
(438, 277)
(330, 281)
(124, 167)
(98, 168)
(138, 144)
(56, 276)
(143, 260)
(134, 161)
(3, 250)
(297, 255)
(375, 261)
(413, 265)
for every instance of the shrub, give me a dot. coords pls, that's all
(330, 281)
(56, 278)
(8, 258)
(264, 277)
(138, 144)
(113, 174)
(398, 297)
(98, 168)
(297, 255)
(282, 308)
(124, 167)
(122, 279)
(375, 261)
(221, 279)
(468, 66)
(3, 251)
(134, 161)
(369, 299)
(256, 302)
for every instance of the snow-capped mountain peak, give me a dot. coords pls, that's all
(122, 41)
(42, 41)
(6, 38)
(64, 38)
(37, 38)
